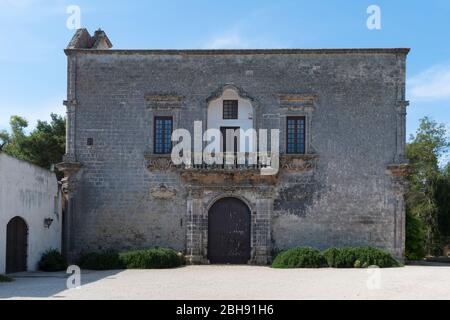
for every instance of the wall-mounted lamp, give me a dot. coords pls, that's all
(47, 222)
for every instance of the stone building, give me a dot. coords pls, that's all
(341, 120)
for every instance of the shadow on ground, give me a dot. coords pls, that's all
(428, 263)
(47, 284)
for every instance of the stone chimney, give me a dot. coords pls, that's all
(83, 40)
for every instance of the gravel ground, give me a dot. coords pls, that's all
(238, 282)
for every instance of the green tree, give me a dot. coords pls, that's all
(422, 208)
(44, 146)
(443, 203)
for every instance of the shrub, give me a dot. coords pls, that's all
(52, 260)
(139, 259)
(4, 278)
(106, 260)
(275, 252)
(303, 257)
(151, 259)
(415, 237)
(359, 257)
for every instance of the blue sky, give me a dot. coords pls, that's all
(33, 34)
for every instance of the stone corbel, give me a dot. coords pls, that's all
(298, 163)
(69, 169)
(159, 162)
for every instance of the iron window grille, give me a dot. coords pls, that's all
(163, 135)
(230, 109)
(295, 135)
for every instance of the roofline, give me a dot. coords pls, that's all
(403, 51)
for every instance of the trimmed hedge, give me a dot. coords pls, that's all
(303, 257)
(151, 259)
(52, 260)
(4, 278)
(359, 257)
(105, 260)
(157, 258)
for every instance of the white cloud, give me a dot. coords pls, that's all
(431, 84)
(230, 40)
(234, 40)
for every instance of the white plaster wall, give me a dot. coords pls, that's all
(32, 193)
(244, 120)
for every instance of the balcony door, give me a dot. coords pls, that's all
(229, 151)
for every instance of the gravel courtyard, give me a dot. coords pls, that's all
(237, 282)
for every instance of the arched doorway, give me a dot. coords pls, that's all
(16, 245)
(229, 222)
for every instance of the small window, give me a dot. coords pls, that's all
(295, 135)
(163, 135)
(90, 141)
(230, 109)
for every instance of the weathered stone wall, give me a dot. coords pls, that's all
(32, 193)
(346, 199)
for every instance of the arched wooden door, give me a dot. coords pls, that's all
(229, 222)
(16, 245)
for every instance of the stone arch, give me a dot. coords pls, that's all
(222, 195)
(231, 86)
(229, 231)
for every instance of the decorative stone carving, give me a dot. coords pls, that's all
(68, 182)
(219, 92)
(299, 163)
(162, 192)
(303, 102)
(163, 102)
(161, 163)
(223, 178)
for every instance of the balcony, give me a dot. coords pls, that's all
(247, 170)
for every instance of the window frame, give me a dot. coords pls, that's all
(155, 118)
(296, 142)
(232, 112)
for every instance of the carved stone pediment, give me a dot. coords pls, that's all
(161, 101)
(162, 192)
(303, 102)
(299, 163)
(219, 92)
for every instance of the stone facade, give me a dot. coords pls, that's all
(347, 189)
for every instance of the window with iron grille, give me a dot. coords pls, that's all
(230, 109)
(295, 135)
(163, 135)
